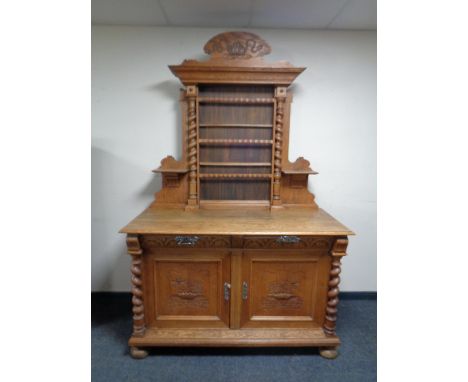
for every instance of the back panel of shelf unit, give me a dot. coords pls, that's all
(235, 121)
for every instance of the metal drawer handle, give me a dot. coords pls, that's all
(186, 240)
(288, 239)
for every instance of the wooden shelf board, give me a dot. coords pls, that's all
(237, 100)
(220, 203)
(230, 337)
(237, 164)
(256, 125)
(244, 142)
(311, 172)
(174, 170)
(235, 176)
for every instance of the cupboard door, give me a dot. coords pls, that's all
(188, 288)
(284, 288)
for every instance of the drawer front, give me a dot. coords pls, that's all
(288, 242)
(185, 241)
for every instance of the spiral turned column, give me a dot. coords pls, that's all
(134, 249)
(338, 251)
(192, 93)
(280, 95)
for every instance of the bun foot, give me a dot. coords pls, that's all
(138, 353)
(329, 352)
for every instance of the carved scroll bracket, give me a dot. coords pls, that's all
(134, 249)
(337, 252)
(133, 245)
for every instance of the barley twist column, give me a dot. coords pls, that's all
(192, 93)
(134, 249)
(280, 95)
(338, 251)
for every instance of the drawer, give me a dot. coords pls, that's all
(288, 241)
(185, 241)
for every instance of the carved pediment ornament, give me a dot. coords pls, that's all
(236, 45)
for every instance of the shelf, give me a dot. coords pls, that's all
(171, 170)
(240, 100)
(235, 176)
(235, 141)
(297, 172)
(256, 125)
(237, 164)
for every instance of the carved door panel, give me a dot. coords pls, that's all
(284, 288)
(188, 288)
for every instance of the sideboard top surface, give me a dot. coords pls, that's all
(236, 222)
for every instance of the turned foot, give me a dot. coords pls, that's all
(138, 353)
(329, 352)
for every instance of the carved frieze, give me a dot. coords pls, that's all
(323, 243)
(174, 241)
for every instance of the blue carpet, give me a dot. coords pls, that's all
(111, 327)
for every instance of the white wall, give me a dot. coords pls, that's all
(135, 123)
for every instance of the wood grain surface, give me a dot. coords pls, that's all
(236, 222)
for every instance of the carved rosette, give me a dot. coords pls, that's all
(134, 249)
(191, 93)
(338, 251)
(280, 96)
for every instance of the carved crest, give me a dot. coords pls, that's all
(236, 45)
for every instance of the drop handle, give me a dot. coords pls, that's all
(288, 239)
(186, 240)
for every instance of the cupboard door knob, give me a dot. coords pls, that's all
(186, 240)
(227, 291)
(245, 290)
(288, 239)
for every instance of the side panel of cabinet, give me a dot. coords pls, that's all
(185, 288)
(284, 288)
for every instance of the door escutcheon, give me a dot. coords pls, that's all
(227, 291)
(245, 290)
